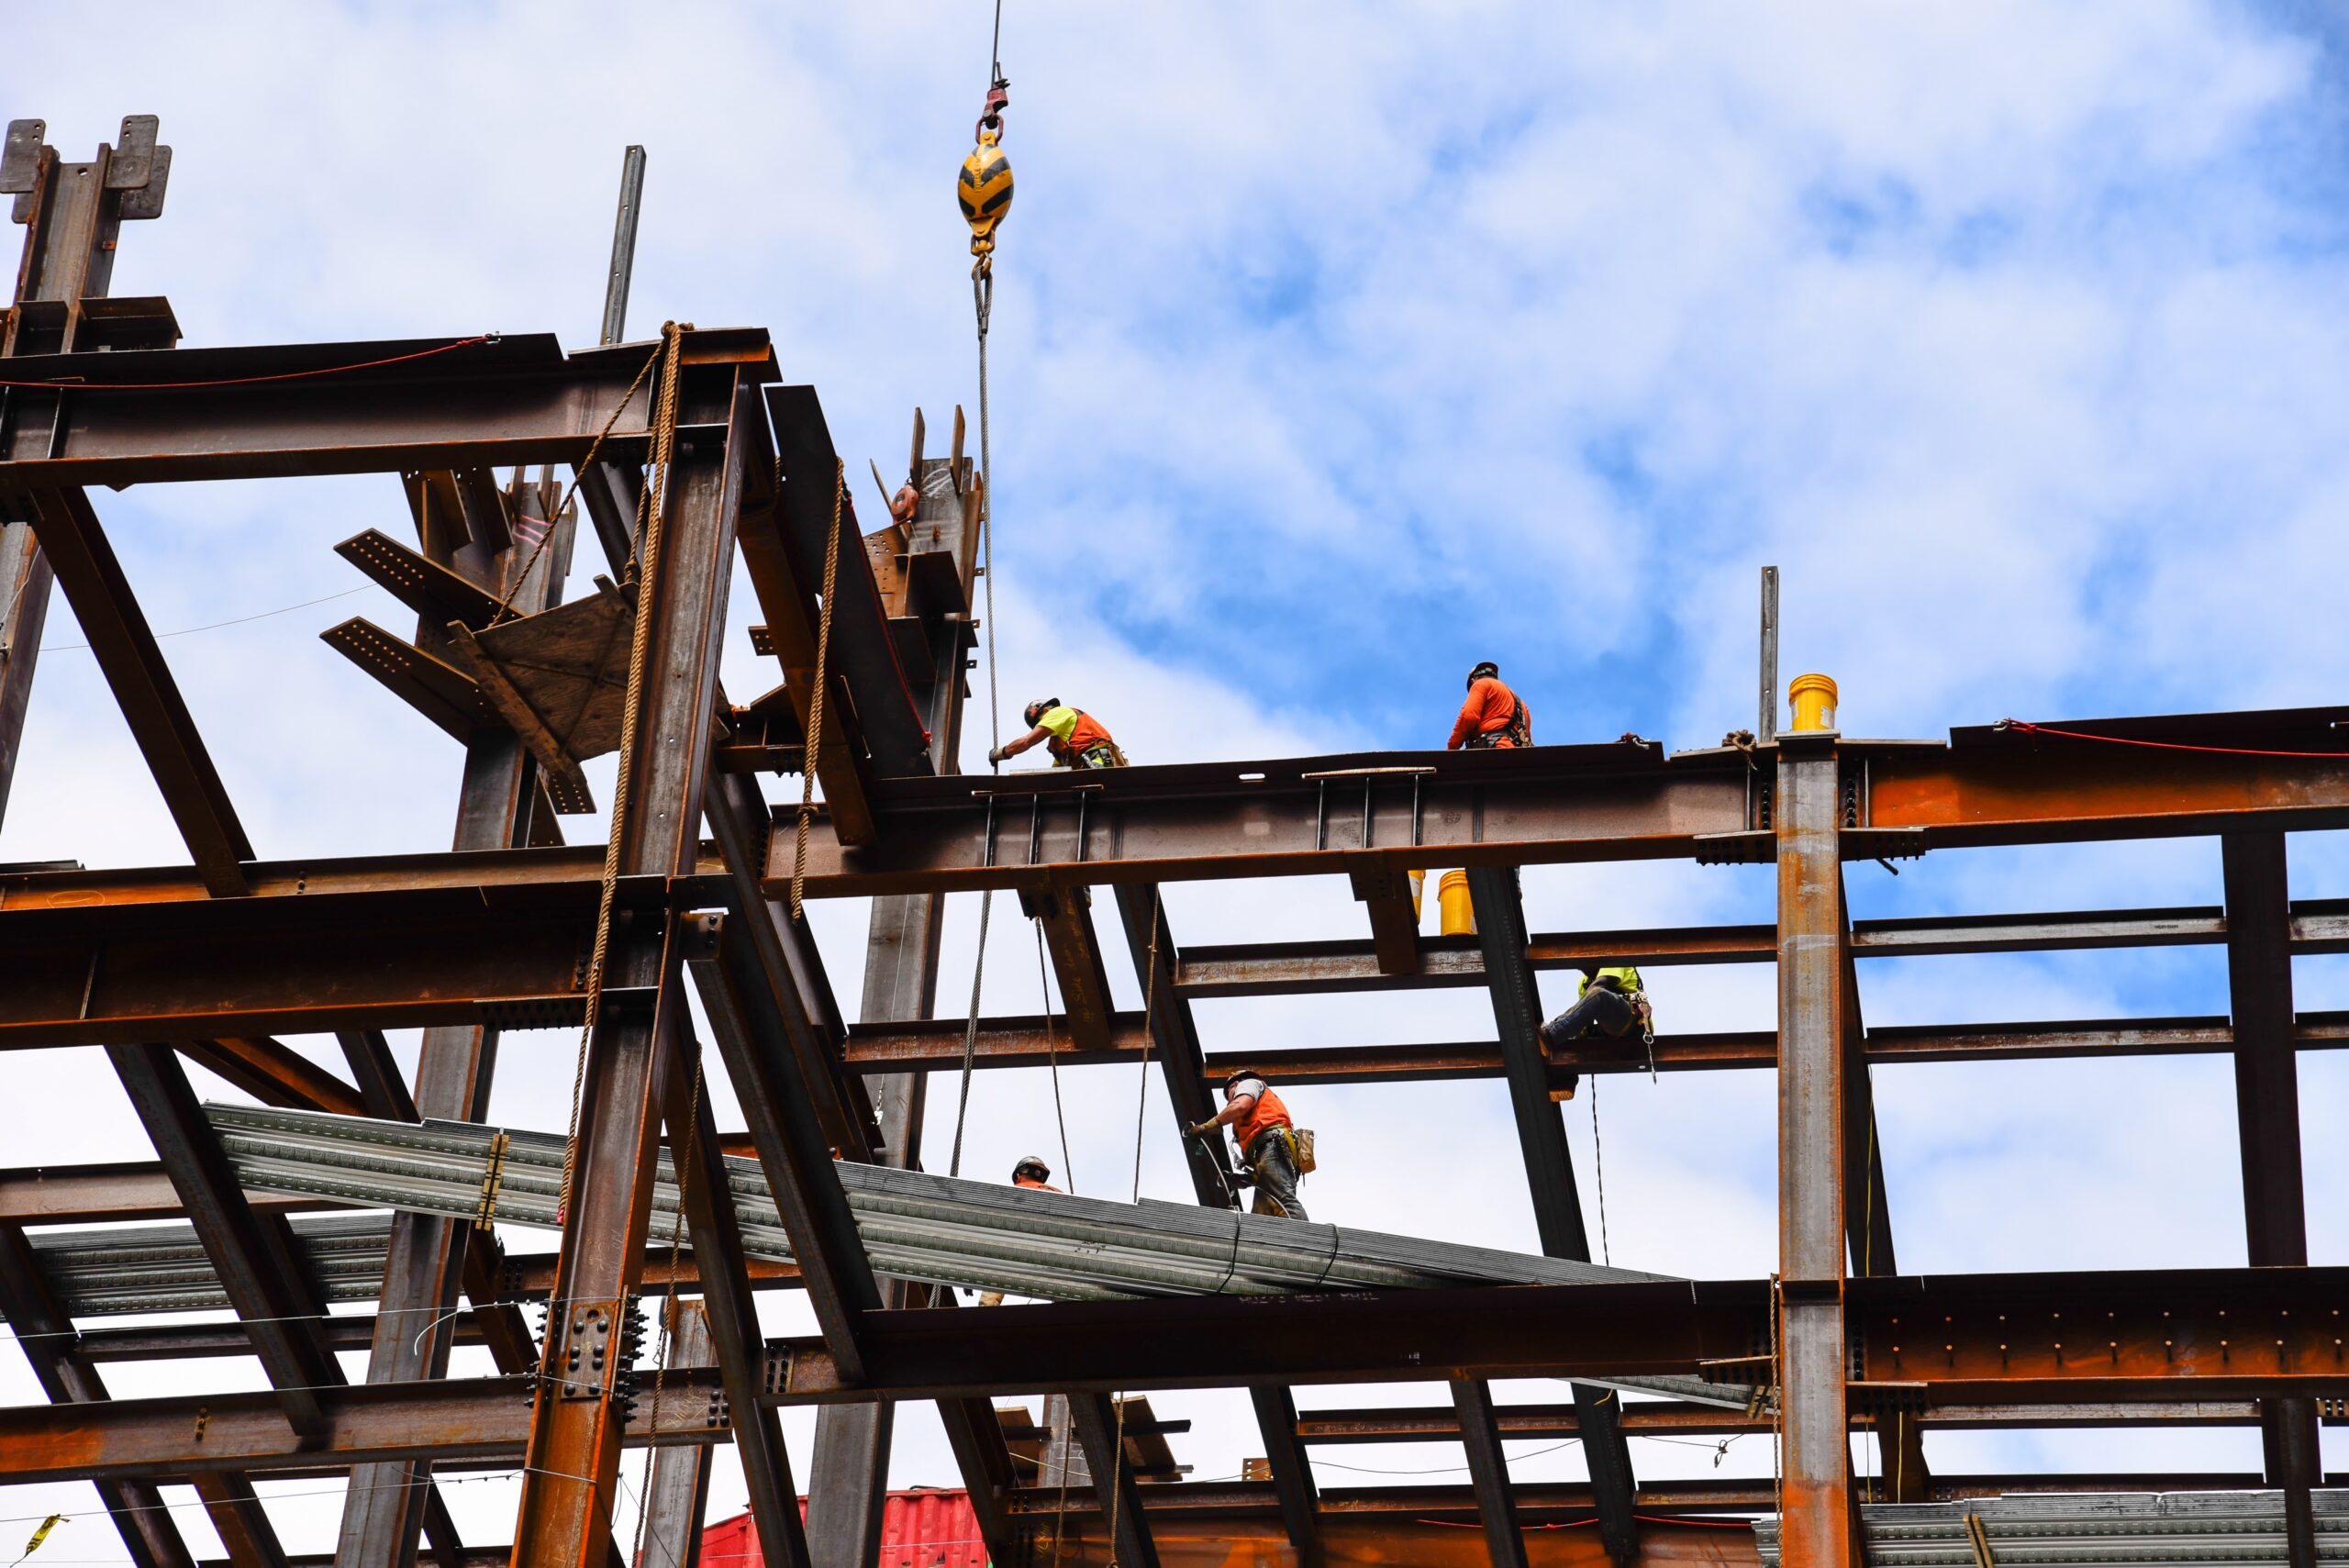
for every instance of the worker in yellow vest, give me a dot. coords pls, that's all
(1267, 1138)
(1610, 1002)
(1075, 737)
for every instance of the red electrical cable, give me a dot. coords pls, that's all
(2161, 745)
(242, 380)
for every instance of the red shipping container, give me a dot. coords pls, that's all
(930, 1527)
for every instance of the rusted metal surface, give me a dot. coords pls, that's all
(266, 966)
(573, 1452)
(1818, 1517)
(1480, 1435)
(2268, 1116)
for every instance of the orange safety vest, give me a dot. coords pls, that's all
(1031, 1182)
(1088, 734)
(1267, 1112)
(1494, 717)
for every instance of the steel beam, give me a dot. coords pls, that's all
(1819, 1520)
(862, 650)
(1115, 1491)
(2267, 1115)
(1076, 951)
(38, 1324)
(1176, 1033)
(1288, 818)
(273, 1073)
(430, 1258)
(449, 1421)
(1553, 804)
(513, 399)
(135, 974)
(24, 580)
(706, 1196)
(255, 1265)
(753, 1025)
(677, 1495)
(569, 1495)
(1386, 897)
(1550, 1173)
(125, 651)
(1471, 1402)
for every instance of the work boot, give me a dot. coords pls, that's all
(1568, 1092)
(1552, 1042)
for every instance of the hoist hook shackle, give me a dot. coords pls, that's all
(991, 112)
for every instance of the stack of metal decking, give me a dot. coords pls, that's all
(2100, 1529)
(933, 1229)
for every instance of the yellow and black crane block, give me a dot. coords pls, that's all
(985, 190)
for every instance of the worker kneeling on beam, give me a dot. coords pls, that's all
(1075, 737)
(1276, 1154)
(1031, 1172)
(1494, 717)
(1610, 1002)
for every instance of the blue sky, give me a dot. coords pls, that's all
(1337, 347)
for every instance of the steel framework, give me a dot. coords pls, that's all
(208, 961)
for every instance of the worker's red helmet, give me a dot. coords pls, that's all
(1485, 668)
(1037, 709)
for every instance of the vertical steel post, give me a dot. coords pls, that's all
(1818, 1522)
(2268, 1118)
(623, 245)
(1766, 728)
(848, 1485)
(424, 1262)
(571, 1486)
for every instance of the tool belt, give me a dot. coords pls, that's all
(1100, 754)
(1300, 1147)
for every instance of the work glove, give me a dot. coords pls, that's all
(994, 755)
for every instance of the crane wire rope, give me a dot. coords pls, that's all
(1052, 1056)
(982, 306)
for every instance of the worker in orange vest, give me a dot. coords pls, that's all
(1493, 716)
(1031, 1172)
(1075, 737)
(1267, 1138)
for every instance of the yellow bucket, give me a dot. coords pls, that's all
(1814, 700)
(1456, 912)
(1419, 894)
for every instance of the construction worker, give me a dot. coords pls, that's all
(1493, 716)
(1031, 1172)
(1075, 736)
(1611, 1002)
(1267, 1138)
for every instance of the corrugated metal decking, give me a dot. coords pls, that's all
(2091, 1530)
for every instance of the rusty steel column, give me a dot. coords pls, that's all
(1818, 1522)
(569, 1495)
(2267, 1117)
(848, 1485)
(385, 1507)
